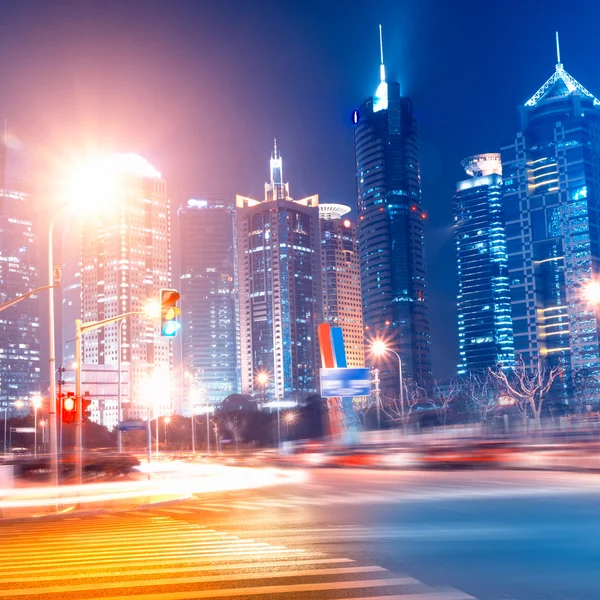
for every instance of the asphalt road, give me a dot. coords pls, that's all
(340, 534)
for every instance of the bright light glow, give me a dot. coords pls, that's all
(43, 423)
(152, 309)
(69, 404)
(36, 401)
(506, 401)
(290, 417)
(167, 420)
(95, 183)
(379, 348)
(262, 378)
(591, 292)
(155, 390)
(170, 328)
(184, 480)
(19, 404)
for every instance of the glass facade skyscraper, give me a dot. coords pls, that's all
(280, 293)
(484, 320)
(206, 229)
(125, 261)
(342, 298)
(552, 207)
(19, 324)
(390, 231)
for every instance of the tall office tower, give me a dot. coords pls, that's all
(208, 302)
(280, 293)
(484, 322)
(126, 260)
(552, 211)
(70, 292)
(390, 230)
(342, 298)
(19, 324)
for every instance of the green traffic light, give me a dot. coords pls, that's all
(170, 328)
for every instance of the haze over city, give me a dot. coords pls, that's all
(300, 300)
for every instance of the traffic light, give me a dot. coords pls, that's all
(69, 407)
(169, 326)
(85, 405)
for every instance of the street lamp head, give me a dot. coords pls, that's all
(19, 404)
(167, 420)
(379, 347)
(36, 401)
(262, 378)
(43, 423)
(290, 417)
(152, 309)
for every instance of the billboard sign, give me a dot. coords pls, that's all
(345, 383)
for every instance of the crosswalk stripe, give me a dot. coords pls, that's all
(111, 585)
(225, 551)
(271, 589)
(156, 550)
(221, 559)
(119, 541)
(196, 568)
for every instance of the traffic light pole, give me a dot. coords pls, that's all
(79, 417)
(80, 329)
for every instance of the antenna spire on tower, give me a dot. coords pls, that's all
(557, 49)
(274, 147)
(381, 67)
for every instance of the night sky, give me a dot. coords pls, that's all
(201, 88)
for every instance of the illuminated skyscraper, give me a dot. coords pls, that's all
(390, 231)
(280, 294)
(208, 303)
(19, 324)
(484, 321)
(126, 260)
(552, 208)
(342, 298)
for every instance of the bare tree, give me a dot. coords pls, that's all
(445, 395)
(527, 387)
(235, 425)
(481, 392)
(413, 394)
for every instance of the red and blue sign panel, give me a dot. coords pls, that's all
(337, 380)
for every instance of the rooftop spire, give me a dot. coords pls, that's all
(380, 100)
(275, 148)
(381, 66)
(560, 84)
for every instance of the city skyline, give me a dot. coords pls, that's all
(110, 115)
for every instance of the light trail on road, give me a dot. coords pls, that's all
(180, 480)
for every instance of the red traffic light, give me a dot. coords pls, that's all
(69, 408)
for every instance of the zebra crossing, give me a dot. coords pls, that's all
(165, 557)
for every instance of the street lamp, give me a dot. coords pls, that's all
(289, 418)
(166, 421)
(262, 378)
(36, 402)
(43, 424)
(379, 348)
(17, 404)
